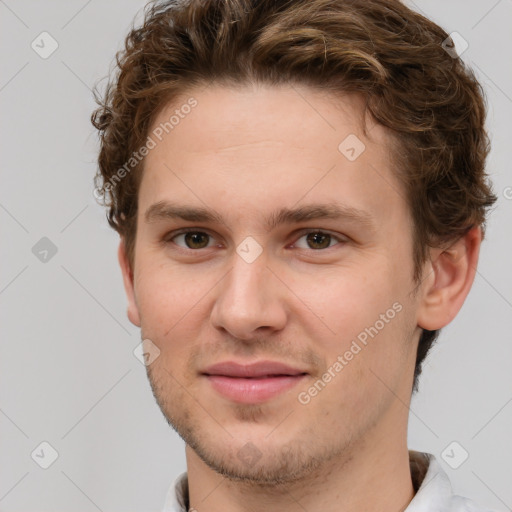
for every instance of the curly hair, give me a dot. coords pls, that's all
(397, 60)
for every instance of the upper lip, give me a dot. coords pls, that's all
(258, 369)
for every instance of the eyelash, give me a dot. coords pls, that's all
(172, 235)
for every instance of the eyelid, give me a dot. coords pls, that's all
(176, 232)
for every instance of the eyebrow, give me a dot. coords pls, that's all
(164, 210)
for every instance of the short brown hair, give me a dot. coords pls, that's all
(431, 103)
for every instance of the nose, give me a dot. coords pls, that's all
(250, 300)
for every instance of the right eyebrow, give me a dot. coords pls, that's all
(165, 210)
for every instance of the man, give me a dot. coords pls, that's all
(301, 194)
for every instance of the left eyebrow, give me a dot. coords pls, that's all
(320, 211)
(165, 210)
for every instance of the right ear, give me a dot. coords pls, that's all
(133, 310)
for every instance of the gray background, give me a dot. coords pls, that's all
(67, 369)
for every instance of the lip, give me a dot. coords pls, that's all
(252, 383)
(257, 369)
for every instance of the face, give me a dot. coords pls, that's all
(266, 235)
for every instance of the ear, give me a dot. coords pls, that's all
(133, 310)
(450, 274)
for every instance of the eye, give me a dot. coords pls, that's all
(191, 239)
(317, 240)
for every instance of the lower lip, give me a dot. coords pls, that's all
(254, 390)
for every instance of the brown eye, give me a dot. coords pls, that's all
(318, 240)
(196, 240)
(192, 239)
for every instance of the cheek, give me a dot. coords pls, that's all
(360, 331)
(339, 306)
(167, 300)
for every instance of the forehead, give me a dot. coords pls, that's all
(258, 146)
(224, 116)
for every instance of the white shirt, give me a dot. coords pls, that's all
(431, 483)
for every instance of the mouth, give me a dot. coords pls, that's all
(252, 383)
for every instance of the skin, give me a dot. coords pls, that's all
(246, 153)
